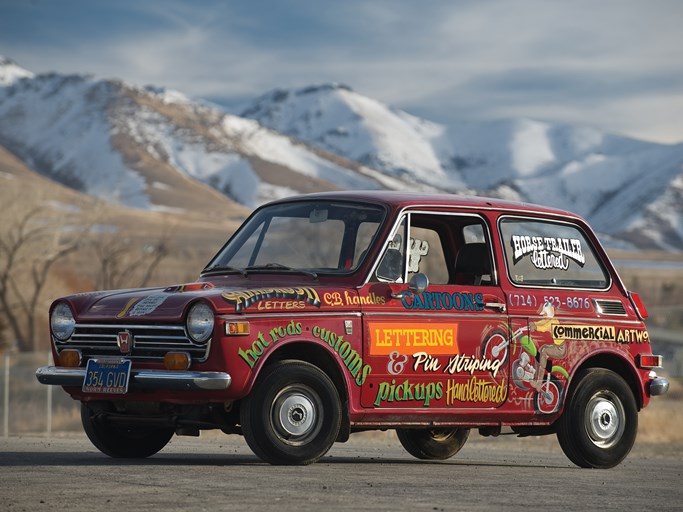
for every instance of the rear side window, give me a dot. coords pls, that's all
(550, 254)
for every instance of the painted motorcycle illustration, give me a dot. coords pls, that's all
(533, 368)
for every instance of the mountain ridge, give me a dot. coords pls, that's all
(155, 148)
(570, 167)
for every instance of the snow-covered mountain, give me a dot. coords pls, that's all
(153, 148)
(628, 189)
(338, 120)
(156, 149)
(10, 71)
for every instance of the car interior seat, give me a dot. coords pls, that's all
(473, 265)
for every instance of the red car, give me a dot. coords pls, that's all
(335, 313)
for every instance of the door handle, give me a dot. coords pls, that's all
(500, 306)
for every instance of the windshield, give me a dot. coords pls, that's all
(314, 236)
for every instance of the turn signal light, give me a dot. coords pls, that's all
(236, 328)
(70, 358)
(177, 361)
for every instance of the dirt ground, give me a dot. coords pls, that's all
(659, 424)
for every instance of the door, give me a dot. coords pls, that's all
(557, 298)
(433, 348)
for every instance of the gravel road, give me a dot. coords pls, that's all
(218, 472)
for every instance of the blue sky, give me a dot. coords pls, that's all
(613, 64)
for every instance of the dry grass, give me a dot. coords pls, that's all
(661, 287)
(661, 420)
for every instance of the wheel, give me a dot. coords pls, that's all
(433, 443)
(599, 424)
(548, 400)
(293, 414)
(123, 442)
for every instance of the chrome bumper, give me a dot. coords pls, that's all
(141, 379)
(659, 386)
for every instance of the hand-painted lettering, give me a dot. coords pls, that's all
(252, 354)
(476, 390)
(547, 252)
(467, 364)
(245, 298)
(600, 333)
(426, 362)
(455, 301)
(350, 357)
(388, 392)
(352, 299)
(277, 305)
(386, 337)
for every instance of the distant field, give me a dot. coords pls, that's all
(658, 278)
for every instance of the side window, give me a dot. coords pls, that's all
(473, 260)
(550, 254)
(426, 255)
(448, 248)
(391, 265)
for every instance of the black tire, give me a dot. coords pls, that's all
(293, 414)
(599, 424)
(123, 442)
(432, 443)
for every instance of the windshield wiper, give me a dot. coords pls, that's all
(279, 266)
(224, 268)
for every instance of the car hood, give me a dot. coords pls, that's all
(170, 304)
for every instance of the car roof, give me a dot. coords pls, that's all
(399, 200)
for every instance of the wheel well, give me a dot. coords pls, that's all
(618, 366)
(319, 357)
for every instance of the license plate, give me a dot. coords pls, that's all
(108, 376)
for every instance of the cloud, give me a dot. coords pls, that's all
(478, 58)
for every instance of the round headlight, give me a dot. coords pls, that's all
(200, 322)
(62, 322)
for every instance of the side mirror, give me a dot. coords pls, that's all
(418, 283)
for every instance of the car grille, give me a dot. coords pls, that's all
(150, 342)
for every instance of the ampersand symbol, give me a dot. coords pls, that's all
(397, 363)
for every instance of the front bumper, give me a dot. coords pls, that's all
(141, 379)
(659, 386)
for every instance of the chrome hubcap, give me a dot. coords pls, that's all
(605, 419)
(295, 414)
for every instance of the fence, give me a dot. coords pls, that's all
(29, 407)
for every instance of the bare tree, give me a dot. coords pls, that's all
(121, 261)
(3, 326)
(34, 239)
(30, 244)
